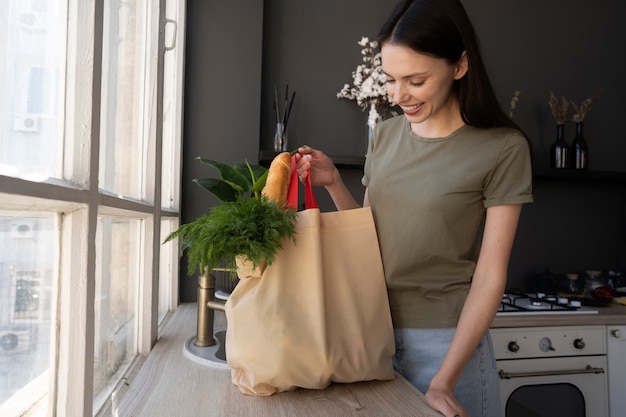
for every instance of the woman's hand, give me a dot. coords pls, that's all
(443, 401)
(324, 172)
(317, 164)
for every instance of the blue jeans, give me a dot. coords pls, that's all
(419, 353)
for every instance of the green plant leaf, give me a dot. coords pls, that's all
(230, 175)
(250, 171)
(221, 189)
(237, 187)
(260, 183)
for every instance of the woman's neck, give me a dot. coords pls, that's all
(440, 129)
(441, 124)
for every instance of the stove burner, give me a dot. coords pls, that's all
(539, 303)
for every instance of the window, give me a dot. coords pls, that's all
(89, 180)
(124, 144)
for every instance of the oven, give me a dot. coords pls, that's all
(551, 371)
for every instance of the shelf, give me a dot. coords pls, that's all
(266, 157)
(580, 175)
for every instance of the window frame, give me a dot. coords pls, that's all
(78, 201)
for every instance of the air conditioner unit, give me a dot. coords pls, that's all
(23, 229)
(27, 123)
(31, 20)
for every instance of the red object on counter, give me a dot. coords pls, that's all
(602, 293)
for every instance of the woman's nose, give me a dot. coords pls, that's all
(396, 93)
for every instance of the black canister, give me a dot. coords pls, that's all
(547, 282)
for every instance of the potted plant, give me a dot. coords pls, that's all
(246, 225)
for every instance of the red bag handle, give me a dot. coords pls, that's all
(292, 196)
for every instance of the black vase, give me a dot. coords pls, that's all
(559, 151)
(579, 149)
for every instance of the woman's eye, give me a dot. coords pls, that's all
(416, 83)
(388, 81)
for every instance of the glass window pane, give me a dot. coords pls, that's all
(27, 275)
(122, 145)
(172, 107)
(117, 270)
(32, 73)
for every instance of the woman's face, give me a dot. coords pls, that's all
(422, 86)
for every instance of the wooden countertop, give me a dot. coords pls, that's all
(613, 313)
(170, 385)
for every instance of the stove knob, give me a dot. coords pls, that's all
(616, 333)
(513, 347)
(579, 344)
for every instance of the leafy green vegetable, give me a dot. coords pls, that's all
(254, 228)
(246, 224)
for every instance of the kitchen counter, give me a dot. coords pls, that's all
(612, 313)
(170, 385)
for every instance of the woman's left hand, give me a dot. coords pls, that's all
(443, 400)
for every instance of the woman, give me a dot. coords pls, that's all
(446, 182)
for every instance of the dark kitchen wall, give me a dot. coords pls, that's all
(222, 96)
(238, 51)
(572, 48)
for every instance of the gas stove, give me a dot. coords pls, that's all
(540, 304)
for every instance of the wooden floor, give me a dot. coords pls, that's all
(168, 384)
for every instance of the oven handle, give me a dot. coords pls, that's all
(588, 370)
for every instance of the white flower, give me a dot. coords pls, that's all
(368, 80)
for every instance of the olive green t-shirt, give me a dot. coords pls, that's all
(429, 199)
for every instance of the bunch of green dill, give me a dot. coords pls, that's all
(253, 228)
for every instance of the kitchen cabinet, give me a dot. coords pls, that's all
(616, 348)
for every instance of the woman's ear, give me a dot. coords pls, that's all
(460, 68)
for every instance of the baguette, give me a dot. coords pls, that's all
(277, 183)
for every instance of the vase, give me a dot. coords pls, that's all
(373, 117)
(559, 151)
(579, 149)
(280, 138)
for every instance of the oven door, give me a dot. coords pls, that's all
(554, 387)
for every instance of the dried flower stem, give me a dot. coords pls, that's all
(585, 106)
(559, 111)
(514, 101)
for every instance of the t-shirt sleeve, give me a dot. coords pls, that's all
(510, 181)
(367, 169)
(365, 180)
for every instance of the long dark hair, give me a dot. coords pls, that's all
(441, 28)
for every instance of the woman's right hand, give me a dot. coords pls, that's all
(323, 172)
(317, 164)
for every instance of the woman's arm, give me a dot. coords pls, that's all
(480, 307)
(323, 172)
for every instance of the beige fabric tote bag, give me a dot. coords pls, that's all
(318, 314)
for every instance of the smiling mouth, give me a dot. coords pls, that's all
(411, 109)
